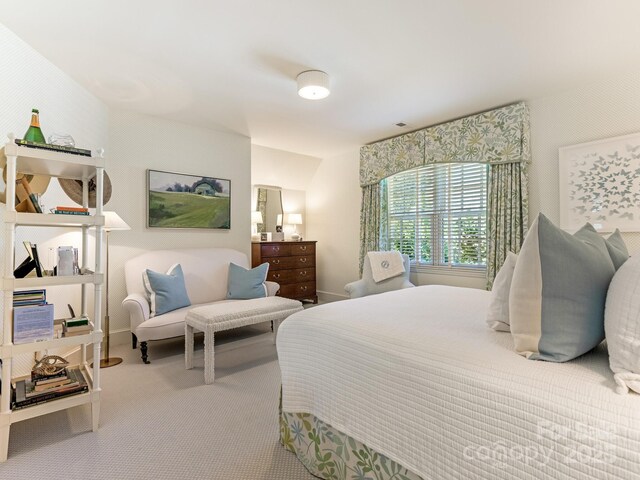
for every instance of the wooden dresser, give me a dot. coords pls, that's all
(291, 264)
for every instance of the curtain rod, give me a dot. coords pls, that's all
(446, 121)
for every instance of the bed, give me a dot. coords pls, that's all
(412, 384)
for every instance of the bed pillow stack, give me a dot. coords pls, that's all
(558, 292)
(622, 326)
(498, 311)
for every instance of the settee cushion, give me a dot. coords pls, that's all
(244, 284)
(167, 292)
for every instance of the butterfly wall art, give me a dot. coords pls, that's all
(600, 184)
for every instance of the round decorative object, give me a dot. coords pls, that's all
(50, 365)
(38, 183)
(73, 188)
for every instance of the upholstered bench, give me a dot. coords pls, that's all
(224, 316)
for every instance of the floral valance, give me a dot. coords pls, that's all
(496, 137)
(397, 154)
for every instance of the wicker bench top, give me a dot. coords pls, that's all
(237, 313)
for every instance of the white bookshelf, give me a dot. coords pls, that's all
(56, 164)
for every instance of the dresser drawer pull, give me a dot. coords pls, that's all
(275, 262)
(303, 273)
(304, 288)
(303, 260)
(303, 247)
(276, 249)
(276, 276)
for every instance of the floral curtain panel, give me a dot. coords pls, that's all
(498, 137)
(369, 221)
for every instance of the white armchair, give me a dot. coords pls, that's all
(367, 286)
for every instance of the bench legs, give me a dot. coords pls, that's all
(188, 347)
(209, 360)
(143, 351)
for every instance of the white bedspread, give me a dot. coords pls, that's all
(416, 375)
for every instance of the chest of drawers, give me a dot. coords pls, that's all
(291, 264)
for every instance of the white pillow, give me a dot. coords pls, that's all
(622, 325)
(498, 312)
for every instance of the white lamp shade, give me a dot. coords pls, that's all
(313, 85)
(112, 221)
(256, 217)
(294, 219)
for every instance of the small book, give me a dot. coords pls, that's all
(37, 378)
(49, 386)
(78, 328)
(69, 212)
(72, 209)
(75, 322)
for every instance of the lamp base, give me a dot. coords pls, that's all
(110, 362)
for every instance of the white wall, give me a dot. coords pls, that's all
(270, 166)
(593, 111)
(138, 143)
(333, 211)
(290, 171)
(30, 81)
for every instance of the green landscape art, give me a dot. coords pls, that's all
(176, 200)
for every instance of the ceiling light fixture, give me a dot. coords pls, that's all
(313, 85)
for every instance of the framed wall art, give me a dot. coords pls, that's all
(600, 184)
(177, 200)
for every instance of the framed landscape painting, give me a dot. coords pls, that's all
(176, 200)
(600, 184)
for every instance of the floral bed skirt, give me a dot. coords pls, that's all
(330, 454)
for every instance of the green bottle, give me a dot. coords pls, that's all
(34, 134)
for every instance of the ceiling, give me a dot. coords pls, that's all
(232, 65)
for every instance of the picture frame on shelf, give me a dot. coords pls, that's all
(600, 184)
(178, 200)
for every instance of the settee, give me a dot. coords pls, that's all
(205, 276)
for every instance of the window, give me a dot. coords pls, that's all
(437, 215)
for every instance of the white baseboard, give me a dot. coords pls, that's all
(328, 297)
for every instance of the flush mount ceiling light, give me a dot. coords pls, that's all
(313, 85)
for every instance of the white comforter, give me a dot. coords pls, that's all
(416, 375)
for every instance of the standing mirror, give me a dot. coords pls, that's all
(269, 204)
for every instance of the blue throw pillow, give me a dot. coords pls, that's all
(558, 292)
(167, 292)
(244, 284)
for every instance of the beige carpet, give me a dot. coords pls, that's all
(160, 421)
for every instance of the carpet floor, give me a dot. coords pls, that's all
(160, 421)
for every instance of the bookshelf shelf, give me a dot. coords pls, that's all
(92, 396)
(11, 283)
(66, 165)
(52, 220)
(8, 351)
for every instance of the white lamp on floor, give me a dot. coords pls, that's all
(112, 221)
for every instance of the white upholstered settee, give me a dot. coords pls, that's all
(205, 275)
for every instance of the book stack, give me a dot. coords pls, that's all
(25, 298)
(40, 389)
(76, 326)
(63, 210)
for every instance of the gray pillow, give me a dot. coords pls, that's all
(558, 292)
(617, 249)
